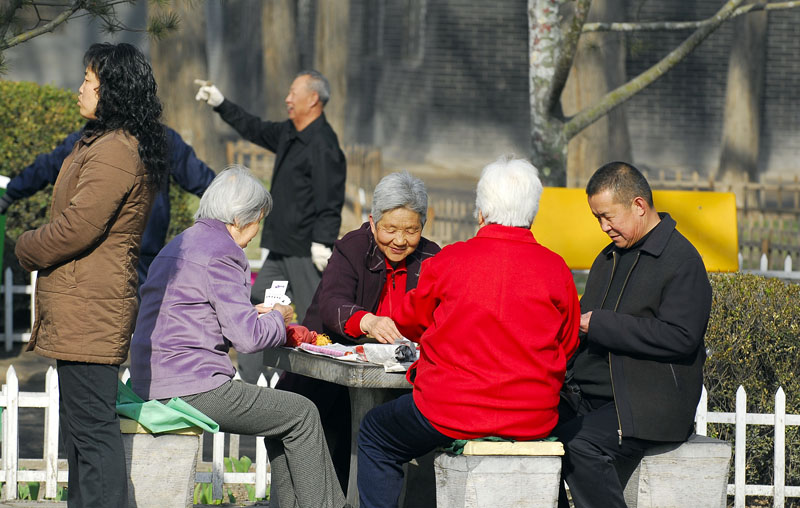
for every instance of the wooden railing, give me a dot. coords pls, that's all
(768, 214)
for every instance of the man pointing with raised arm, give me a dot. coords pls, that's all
(307, 188)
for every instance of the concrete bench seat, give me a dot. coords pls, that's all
(491, 474)
(694, 473)
(161, 467)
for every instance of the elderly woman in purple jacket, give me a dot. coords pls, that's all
(195, 306)
(367, 275)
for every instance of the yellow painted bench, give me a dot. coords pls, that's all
(565, 224)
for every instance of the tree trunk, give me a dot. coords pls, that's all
(742, 121)
(599, 67)
(330, 57)
(281, 60)
(235, 63)
(177, 62)
(554, 29)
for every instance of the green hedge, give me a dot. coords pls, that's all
(753, 337)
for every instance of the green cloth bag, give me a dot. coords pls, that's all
(156, 417)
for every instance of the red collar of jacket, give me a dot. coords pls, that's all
(506, 233)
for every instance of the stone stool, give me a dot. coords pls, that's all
(694, 473)
(161, 467)
(493, 474)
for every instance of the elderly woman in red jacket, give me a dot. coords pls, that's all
(497, 318)
(367, 276)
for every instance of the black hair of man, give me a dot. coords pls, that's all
(625, 182)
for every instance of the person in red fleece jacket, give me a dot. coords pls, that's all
(497, 318)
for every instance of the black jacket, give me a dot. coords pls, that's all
(654, 338)
(354, 279)
(307, 180)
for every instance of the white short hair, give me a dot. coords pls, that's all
(508, 192)
(235, 196)
(400, 190)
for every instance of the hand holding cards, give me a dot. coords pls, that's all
(277, 294)
(275, 299)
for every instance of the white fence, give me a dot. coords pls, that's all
(11, 400)
(786, 273)
(779, 491)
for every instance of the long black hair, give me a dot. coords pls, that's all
(128, 101)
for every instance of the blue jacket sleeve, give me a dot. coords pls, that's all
(44, 170)
(189, 172)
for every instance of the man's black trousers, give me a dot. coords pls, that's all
(594, 458)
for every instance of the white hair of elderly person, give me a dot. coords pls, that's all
(235, 196)
(400, 190)
(508, 193)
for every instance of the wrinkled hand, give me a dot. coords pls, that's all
(208, 93)
(381, 328)
(298, 334)
(286, 310)
(5, 202)
(585, 322)
(319, 255)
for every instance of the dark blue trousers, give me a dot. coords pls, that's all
(391, 435)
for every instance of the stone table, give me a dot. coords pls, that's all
(369, 386)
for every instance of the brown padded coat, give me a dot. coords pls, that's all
(86, 255)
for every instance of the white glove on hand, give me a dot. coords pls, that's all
(320, 255)
(208, 93)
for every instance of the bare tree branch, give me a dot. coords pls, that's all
(685, 25)
(39, 30)
(634, 86)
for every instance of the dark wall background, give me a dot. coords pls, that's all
(444, 83)
(455, 89)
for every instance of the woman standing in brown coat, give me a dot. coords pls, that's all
(86, 257)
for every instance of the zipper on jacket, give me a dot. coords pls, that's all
(616, 305)
(614, 394)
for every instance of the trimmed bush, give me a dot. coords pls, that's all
(753, 337)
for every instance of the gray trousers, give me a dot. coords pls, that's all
(303, 279)
(302, 472)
